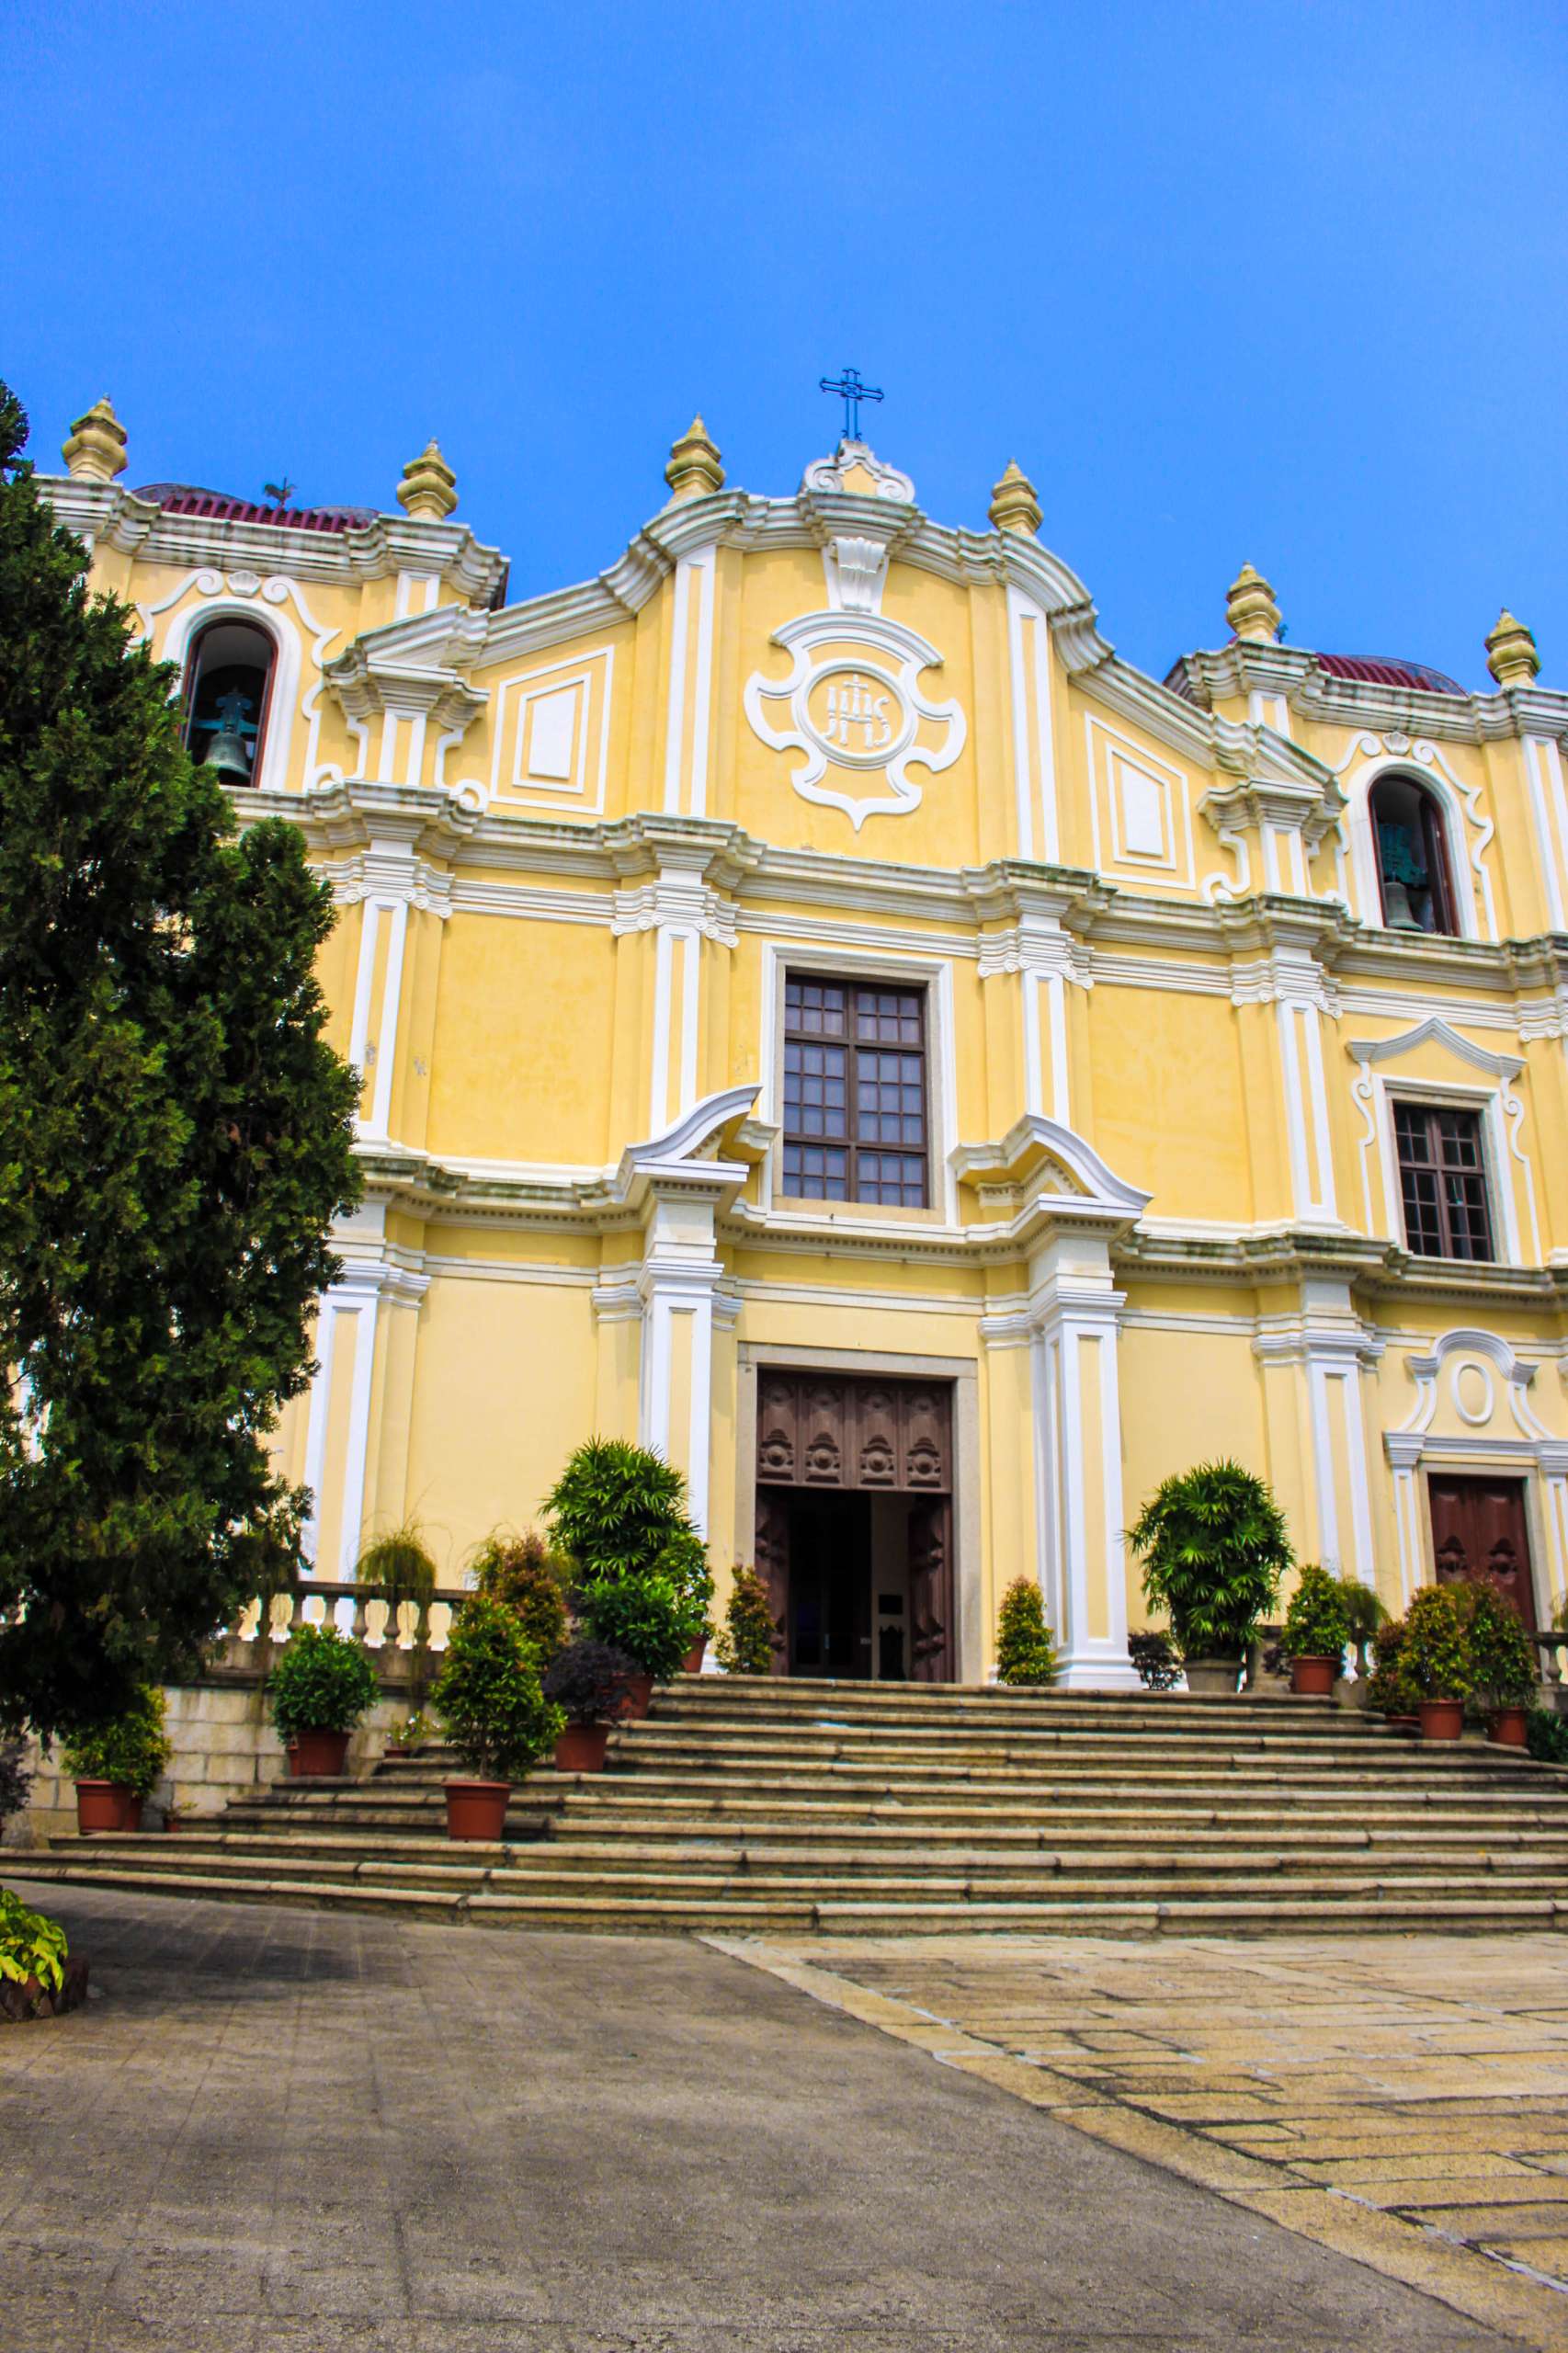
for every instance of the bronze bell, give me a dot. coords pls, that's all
(228, 752)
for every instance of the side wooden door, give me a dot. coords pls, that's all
(1480, 1532)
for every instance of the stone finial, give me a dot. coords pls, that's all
(96, 452)
(1250, 607)
(428, 491)
(694, 469)
(1510, 652)
(1014, 505)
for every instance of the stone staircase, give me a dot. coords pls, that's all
(765, 1807)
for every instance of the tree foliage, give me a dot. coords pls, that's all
(175, 1140)
(1215, 1546)
(488, 1694)
(1317, 1623)
(323, 1682)
(1025, 1651)
(616, 1508)
(748, 1637)
(526, 1578)
(130, 1748)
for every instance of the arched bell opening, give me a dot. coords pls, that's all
(1410, 838)
(228, 684)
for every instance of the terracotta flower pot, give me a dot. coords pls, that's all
(314, 1753)
(1212, 1676)
(1442, 1719)
(692, 1662)
(1507, 1728)
(1397, 1722)
(581, 1748)
(477, 1809)
(1313, 1678)
(639, 1697)
(106, 1805)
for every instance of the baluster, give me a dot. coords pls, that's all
(313, 1609)
(279, 1616)
(440, 1624)
(248, 1624)
(375, 1616)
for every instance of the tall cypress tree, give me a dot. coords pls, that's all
(175, 1138)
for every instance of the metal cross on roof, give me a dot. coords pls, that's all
(851, 391)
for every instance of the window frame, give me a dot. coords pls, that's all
(192, 667)
(1430, 1110)
(919, 984)
(1435, 829)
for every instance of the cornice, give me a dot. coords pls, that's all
(1230, 672)
(106, 516)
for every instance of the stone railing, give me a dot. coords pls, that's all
(401, 1641)
(1551, 1643)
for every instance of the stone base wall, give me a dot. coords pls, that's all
(223, 1748)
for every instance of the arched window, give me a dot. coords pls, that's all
(227, 681)
(1413, 863)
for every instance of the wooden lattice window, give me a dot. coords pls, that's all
(855, 1107)
(1442, 1176)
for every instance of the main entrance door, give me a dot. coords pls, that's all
(854, 1525)
(1479, 1532)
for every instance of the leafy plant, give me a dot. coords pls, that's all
(1153, 1655)
(488, 1694)
(615, 1508)
(31, 1944)
(1435, 1654)
(745, 1642)
(400, 1566)
(588, 1681)
(323, 1682)
(1391, 1687)
(646, 1616)
(525, 1577)
(1502, 1656)
(14, 1779)
(1214, 1547)
(1025, 1651)
(1317, 1624)
(175, 1139)
(130, 1749)
(1546, 1736)
(684, 1560)
(1364, 1613)
(413, 1732)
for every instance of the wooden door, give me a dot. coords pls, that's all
(1479, 1533)
(773, 1568)
(931, 1591)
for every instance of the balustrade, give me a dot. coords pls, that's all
(362, 1613)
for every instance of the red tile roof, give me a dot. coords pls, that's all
(185, 498)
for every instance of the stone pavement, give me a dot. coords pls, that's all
(1404, 2099)
(280, 2132)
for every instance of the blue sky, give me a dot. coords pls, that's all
(1284, 284)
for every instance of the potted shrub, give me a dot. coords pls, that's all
(528, 1579)
(487, 1694)
(318, 1691)
(1317, 1627)
(748, 1639)
(1506, 1676)
(684, 1561)
(1546, 1736)
(1025, 1651)
(648, 1618)
(1214, 1548)
(1390, 1687)
(1150, 1650)
(1435, 1658)
(38, 1977)
(117, 1763)
(588, 1681)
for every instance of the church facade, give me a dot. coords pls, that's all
(823, 1012)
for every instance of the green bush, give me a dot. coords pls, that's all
(1317, 1624)
(400, 1567)
(1435, 1654)
(646, 1616)
(1025, 1651)
(1214, 1548)
(131, 1748)
(1153, 1655)
(1504, 1668)
(323, 1682)
(745, 1642)
(615, 1508)
(684, 1560)
(1390, 1687)
(31, 1945)
(1546, 1736)
(525, 1577)
(488, 1694)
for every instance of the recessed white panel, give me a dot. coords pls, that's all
(552, 725)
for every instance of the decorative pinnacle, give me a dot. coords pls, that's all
(694, 469)
(96, 452)
(428, 491)
(1014, 505)
(1511, 655)
(1250, 607)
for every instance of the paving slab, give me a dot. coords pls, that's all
(280, 2132)
(1401, 2099)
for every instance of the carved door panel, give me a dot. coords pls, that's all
(818, 1431)
(931, 1591)
(773, 1568)
(1479, 1533)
